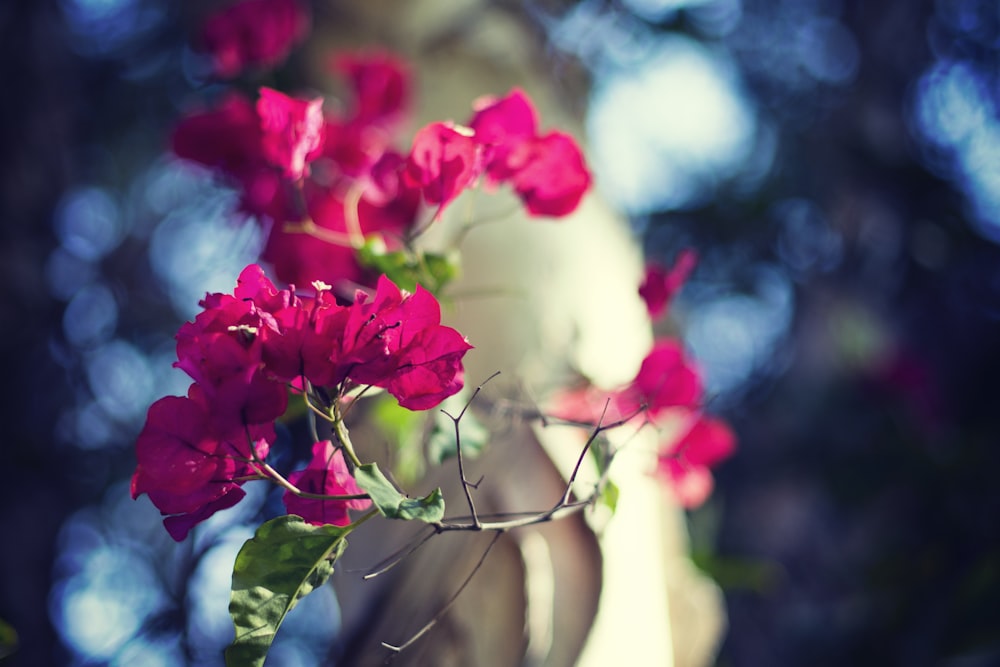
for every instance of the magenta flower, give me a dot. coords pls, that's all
(381, 84)
(686, 463)
(395, 340)
(228, 138)
(253, 33)
(502, 127)
(221, 342)
(430, 369)
(222, 352)
(291, 131)
(192, 465)
(661, 284)
(548, 171)
(326, 474)
(553, 177)
(444, 161)
(666, 379)
(243, 349)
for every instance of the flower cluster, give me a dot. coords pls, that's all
(342, 206)
(501, 142)
(325, 181)
(667, 392)
(245, 349)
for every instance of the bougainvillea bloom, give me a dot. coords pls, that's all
(661, 284)
(548, 172)
(553, 176)
(443, 162)
(395, 340)
(381, 85)
(253, 33)
(502, 127)
(291, 131)
(228, 139)
(686, 463)
(192, 465)
(666, 379)
(244, 350)
(327, 475)
(392, 340)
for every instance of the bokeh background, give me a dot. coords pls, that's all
(836, 164)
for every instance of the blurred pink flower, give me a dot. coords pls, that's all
(291, 131)
(686, 463)
(253, 33)
(660, 284)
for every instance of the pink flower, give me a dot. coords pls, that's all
(660, 284)
(395, 341)
(220, 343)
(429, 370)
(548, 171)
(291, 131)
(554, 176)
(242, 350)
(502, 126)
(686, 463)
(666, 378)
(253, 33)
(222, 352)
(191, 464)
(444, 161)
(381, 85)
(228, 138)
(326, 474)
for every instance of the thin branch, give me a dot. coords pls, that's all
(458, 447)
(315, 408)
(437, 617)
(283, 482)
(310, 228)
(583, 452)
(503, 522)
(563, 505)
(399, 556)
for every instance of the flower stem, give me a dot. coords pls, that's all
(343, 437)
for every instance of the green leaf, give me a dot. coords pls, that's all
(609, 496)
(8, 639)
(441, 268)
(393, 504)
(284, 561)
(403, 429)
(432, 270)
(441, 442)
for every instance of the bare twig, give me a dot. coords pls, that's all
(458, 447)
(399, 556)
(444, 610)
(500, 523)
